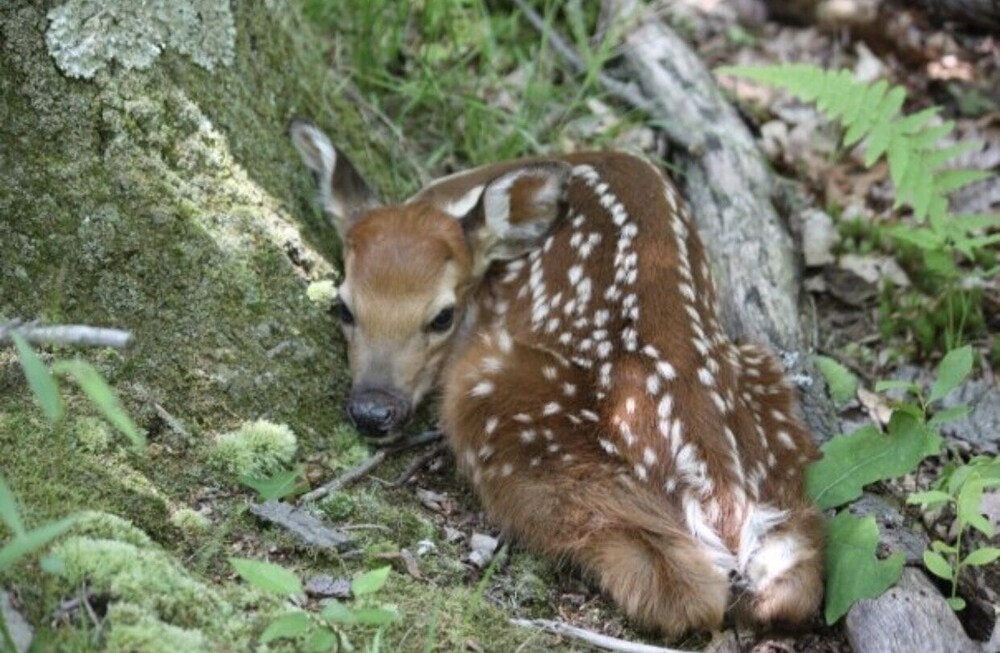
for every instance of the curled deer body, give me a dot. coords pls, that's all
(564, 309)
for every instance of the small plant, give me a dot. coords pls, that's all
(23, 543)
(961, 488)
(326, 631)
(852, 461)
(46, 391)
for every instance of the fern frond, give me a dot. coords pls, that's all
(872, 112)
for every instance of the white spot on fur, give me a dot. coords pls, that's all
(482, 389)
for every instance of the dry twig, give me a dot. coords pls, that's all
(77, 335)
(605, 642)
(366, 466)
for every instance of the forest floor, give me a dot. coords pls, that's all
(463, 83)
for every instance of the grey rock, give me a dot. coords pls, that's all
(483, 547)
(18, 627)
(895, 536)
(912, 616)
(325, 586)
(981, 428)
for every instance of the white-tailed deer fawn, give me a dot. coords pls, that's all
(563, 306)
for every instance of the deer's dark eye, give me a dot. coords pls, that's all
(345, 314)
(443, 320)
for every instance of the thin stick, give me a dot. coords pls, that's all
(348, 477)
(77, 335)
(418, 463)
(621, 90)
(594, 639)
(366, 466)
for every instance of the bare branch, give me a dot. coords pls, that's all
(366, 466)
(77, 335)
(605, 642)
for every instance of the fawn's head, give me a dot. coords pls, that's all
(410, 270)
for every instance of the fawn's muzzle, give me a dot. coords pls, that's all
(377, 412)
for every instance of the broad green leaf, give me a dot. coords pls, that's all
(102, 396)
(10, 514)
(983, 556)
(338, 613)
(957, 603)
(281, 484)
(950, 414)
(918, 236)
(376, 616)
(30, 541)
(893, 384)
(843, 384)
(370, 581)
(287, 626)
(322, 640)
(267, 576)
(853, 571)
(42, 385)
(951, 371)
(937, 565)
(929, 498)
(851, 462)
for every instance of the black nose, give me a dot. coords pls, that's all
(377, 412)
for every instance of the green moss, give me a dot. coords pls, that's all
(134, 630)
(94, 435)
(190, 521)
(102, 525)
(323, 293)
(257, 448)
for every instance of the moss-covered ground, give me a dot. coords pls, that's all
(167, 201)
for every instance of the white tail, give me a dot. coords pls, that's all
(565, 308)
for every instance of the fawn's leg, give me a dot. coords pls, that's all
(522, 425)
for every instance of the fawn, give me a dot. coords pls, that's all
(564, 309)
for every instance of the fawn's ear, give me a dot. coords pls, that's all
(344, 194)
(516, 212)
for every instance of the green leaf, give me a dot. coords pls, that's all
(950, 414)
(893, 384)
(865, 456)
(102, 396)
(338, 613)
(937, 565)
(42, 385)
(957, 603)
(981, 524)
(929, 498)
(943, 547)
(981, 557)
(952, 370)
(287, 626)
(843, 384)
(30, 541)
(376, 616)
(853, 571)
(267, 576)
(281, 484)
(370, 581)
(10, 514)
(946, 181)
(322, 640)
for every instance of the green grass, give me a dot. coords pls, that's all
(462, 82)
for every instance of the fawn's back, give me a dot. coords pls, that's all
(565, 307)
